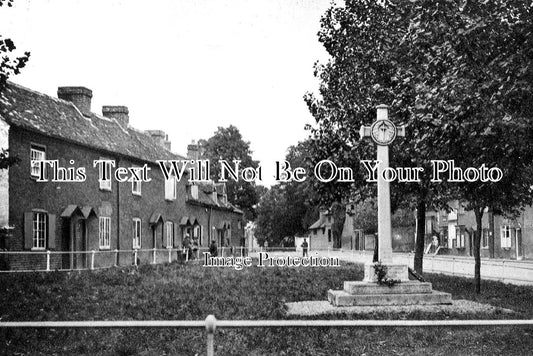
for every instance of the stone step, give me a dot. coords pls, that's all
(409, 287)
(341, 298)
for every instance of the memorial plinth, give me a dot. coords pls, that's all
(369, 291)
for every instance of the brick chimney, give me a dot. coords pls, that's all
(79, 96)
(192, 151)
(160, 137)
(119, 113)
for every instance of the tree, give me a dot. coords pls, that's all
(373, 62)
(228, 144)
(457, 72)
(287, 208)
(10, 64)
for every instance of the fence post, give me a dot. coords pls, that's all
(154, 258)
(210, 327)
(169, 255)
(92, 258)
(187, 255)
(48, 261)
(116, 257)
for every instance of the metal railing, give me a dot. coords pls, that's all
(211, 324)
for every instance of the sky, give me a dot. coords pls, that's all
(185, 67)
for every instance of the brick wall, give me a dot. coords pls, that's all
(26, 194)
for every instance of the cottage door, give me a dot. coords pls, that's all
(73, 239)
(65, 245)
(81, 240)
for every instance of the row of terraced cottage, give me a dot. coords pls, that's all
(95, 215)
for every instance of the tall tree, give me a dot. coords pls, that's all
(457, 72)
(228, 144)
(287, 209)
(373, 62)
(10, 63)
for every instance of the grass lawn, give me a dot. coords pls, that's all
(176, 291)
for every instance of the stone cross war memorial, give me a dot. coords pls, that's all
(385, 282)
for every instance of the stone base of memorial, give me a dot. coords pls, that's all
(402, 292)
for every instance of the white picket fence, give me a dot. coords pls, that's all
(46, 260)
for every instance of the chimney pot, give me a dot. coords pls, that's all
(160, 137)
(79, 96)
(192, 151)
(120, 113)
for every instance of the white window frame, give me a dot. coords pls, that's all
(136, 188)
(505, 236)
(37, 153)
(460, 238)
(171, 189)
(40, 230)
(194, 191)
(169, 233)
(106, 184)
(137, 233)
(196, 232)
(104, 232)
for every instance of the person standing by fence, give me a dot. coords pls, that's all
(305, 245)
(213, 248)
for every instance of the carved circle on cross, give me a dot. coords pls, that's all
(383, 132)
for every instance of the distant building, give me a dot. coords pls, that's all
(356, 238)
(104, 216)
(501, 237)
(320, 234)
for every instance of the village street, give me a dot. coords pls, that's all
(507, 271)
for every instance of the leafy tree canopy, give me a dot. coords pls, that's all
(10, 62)
(228, 144)
(457, 72)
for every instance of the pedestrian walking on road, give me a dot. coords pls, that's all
(305, 245)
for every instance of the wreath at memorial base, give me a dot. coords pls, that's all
(381, 273)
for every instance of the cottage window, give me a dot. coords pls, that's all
(104, 232)
(136, 233)
(505, 234)
(136, 187)
(39, 230)
(169, 233)
(460, 240)
(171, 188)
(105, 184)
(37, 153)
